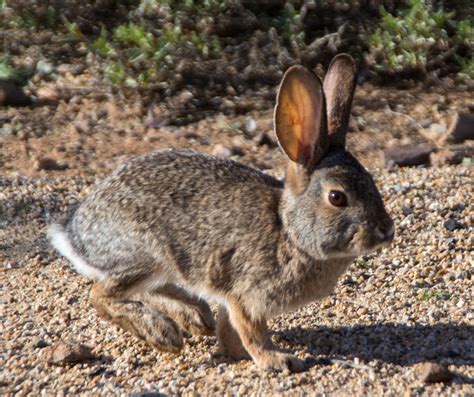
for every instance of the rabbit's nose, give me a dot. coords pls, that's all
(386, 230)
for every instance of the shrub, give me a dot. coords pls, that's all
(176, 42)
(8, 72)
(419, 40)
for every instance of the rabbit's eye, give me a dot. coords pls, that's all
(337, 198)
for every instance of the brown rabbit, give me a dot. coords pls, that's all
(178, 228)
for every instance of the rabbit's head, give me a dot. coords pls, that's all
(331, 207)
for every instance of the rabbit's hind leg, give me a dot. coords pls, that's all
(190, 312)
(150, 324)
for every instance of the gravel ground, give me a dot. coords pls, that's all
(407, 304)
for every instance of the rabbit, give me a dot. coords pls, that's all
(180, 228)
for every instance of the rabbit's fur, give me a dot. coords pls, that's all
(178, 228)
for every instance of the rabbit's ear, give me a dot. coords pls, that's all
(300, 119)
(339, 85)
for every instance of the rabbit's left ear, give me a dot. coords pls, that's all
(339, 86)
(300, 119)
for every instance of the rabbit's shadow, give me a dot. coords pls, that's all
(398, 344)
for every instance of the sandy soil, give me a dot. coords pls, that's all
(408, 304)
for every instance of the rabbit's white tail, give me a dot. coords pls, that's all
(60, 241)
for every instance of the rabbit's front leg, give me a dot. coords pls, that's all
(229, 341)
(147, 323)
(256, 340)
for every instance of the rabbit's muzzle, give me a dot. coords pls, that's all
(366, 238)
(381, 235)
(385, 231)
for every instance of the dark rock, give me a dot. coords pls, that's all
(234, 20)
(237, 151)
(101, 113)
(434, 373)
(40, 344)
(461, 129)
(187, 134)
(69, 352)
(48, 164)
(12, 95)
(408, 155)
(264, 139)
(452, 224)
(458, 207)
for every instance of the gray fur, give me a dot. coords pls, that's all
(176, 219)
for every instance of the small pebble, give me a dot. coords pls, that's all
(48, 164)
(452, 225)
(434, 373)
(222, 151)
(44, 68)
(69, 352)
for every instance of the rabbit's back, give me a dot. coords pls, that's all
(178, 206)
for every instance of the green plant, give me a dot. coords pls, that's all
(134, 35)
(114, 71)
(467, 70)
(362, 263)
(429, 294)
(199, 8)
(8, 72)
(137, 45)
(101, 45)
(417, 39)
(30, 18)
(292, 30)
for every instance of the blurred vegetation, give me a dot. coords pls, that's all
(419, 39)
(168, 43)
(9, 72)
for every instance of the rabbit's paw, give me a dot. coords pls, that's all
(230, 344)
(160, 331)
(233, 349)
(197, 320)
(278, 362)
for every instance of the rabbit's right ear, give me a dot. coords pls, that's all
(300, 116)
(339, 87)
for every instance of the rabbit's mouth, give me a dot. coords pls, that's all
(362, 242)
